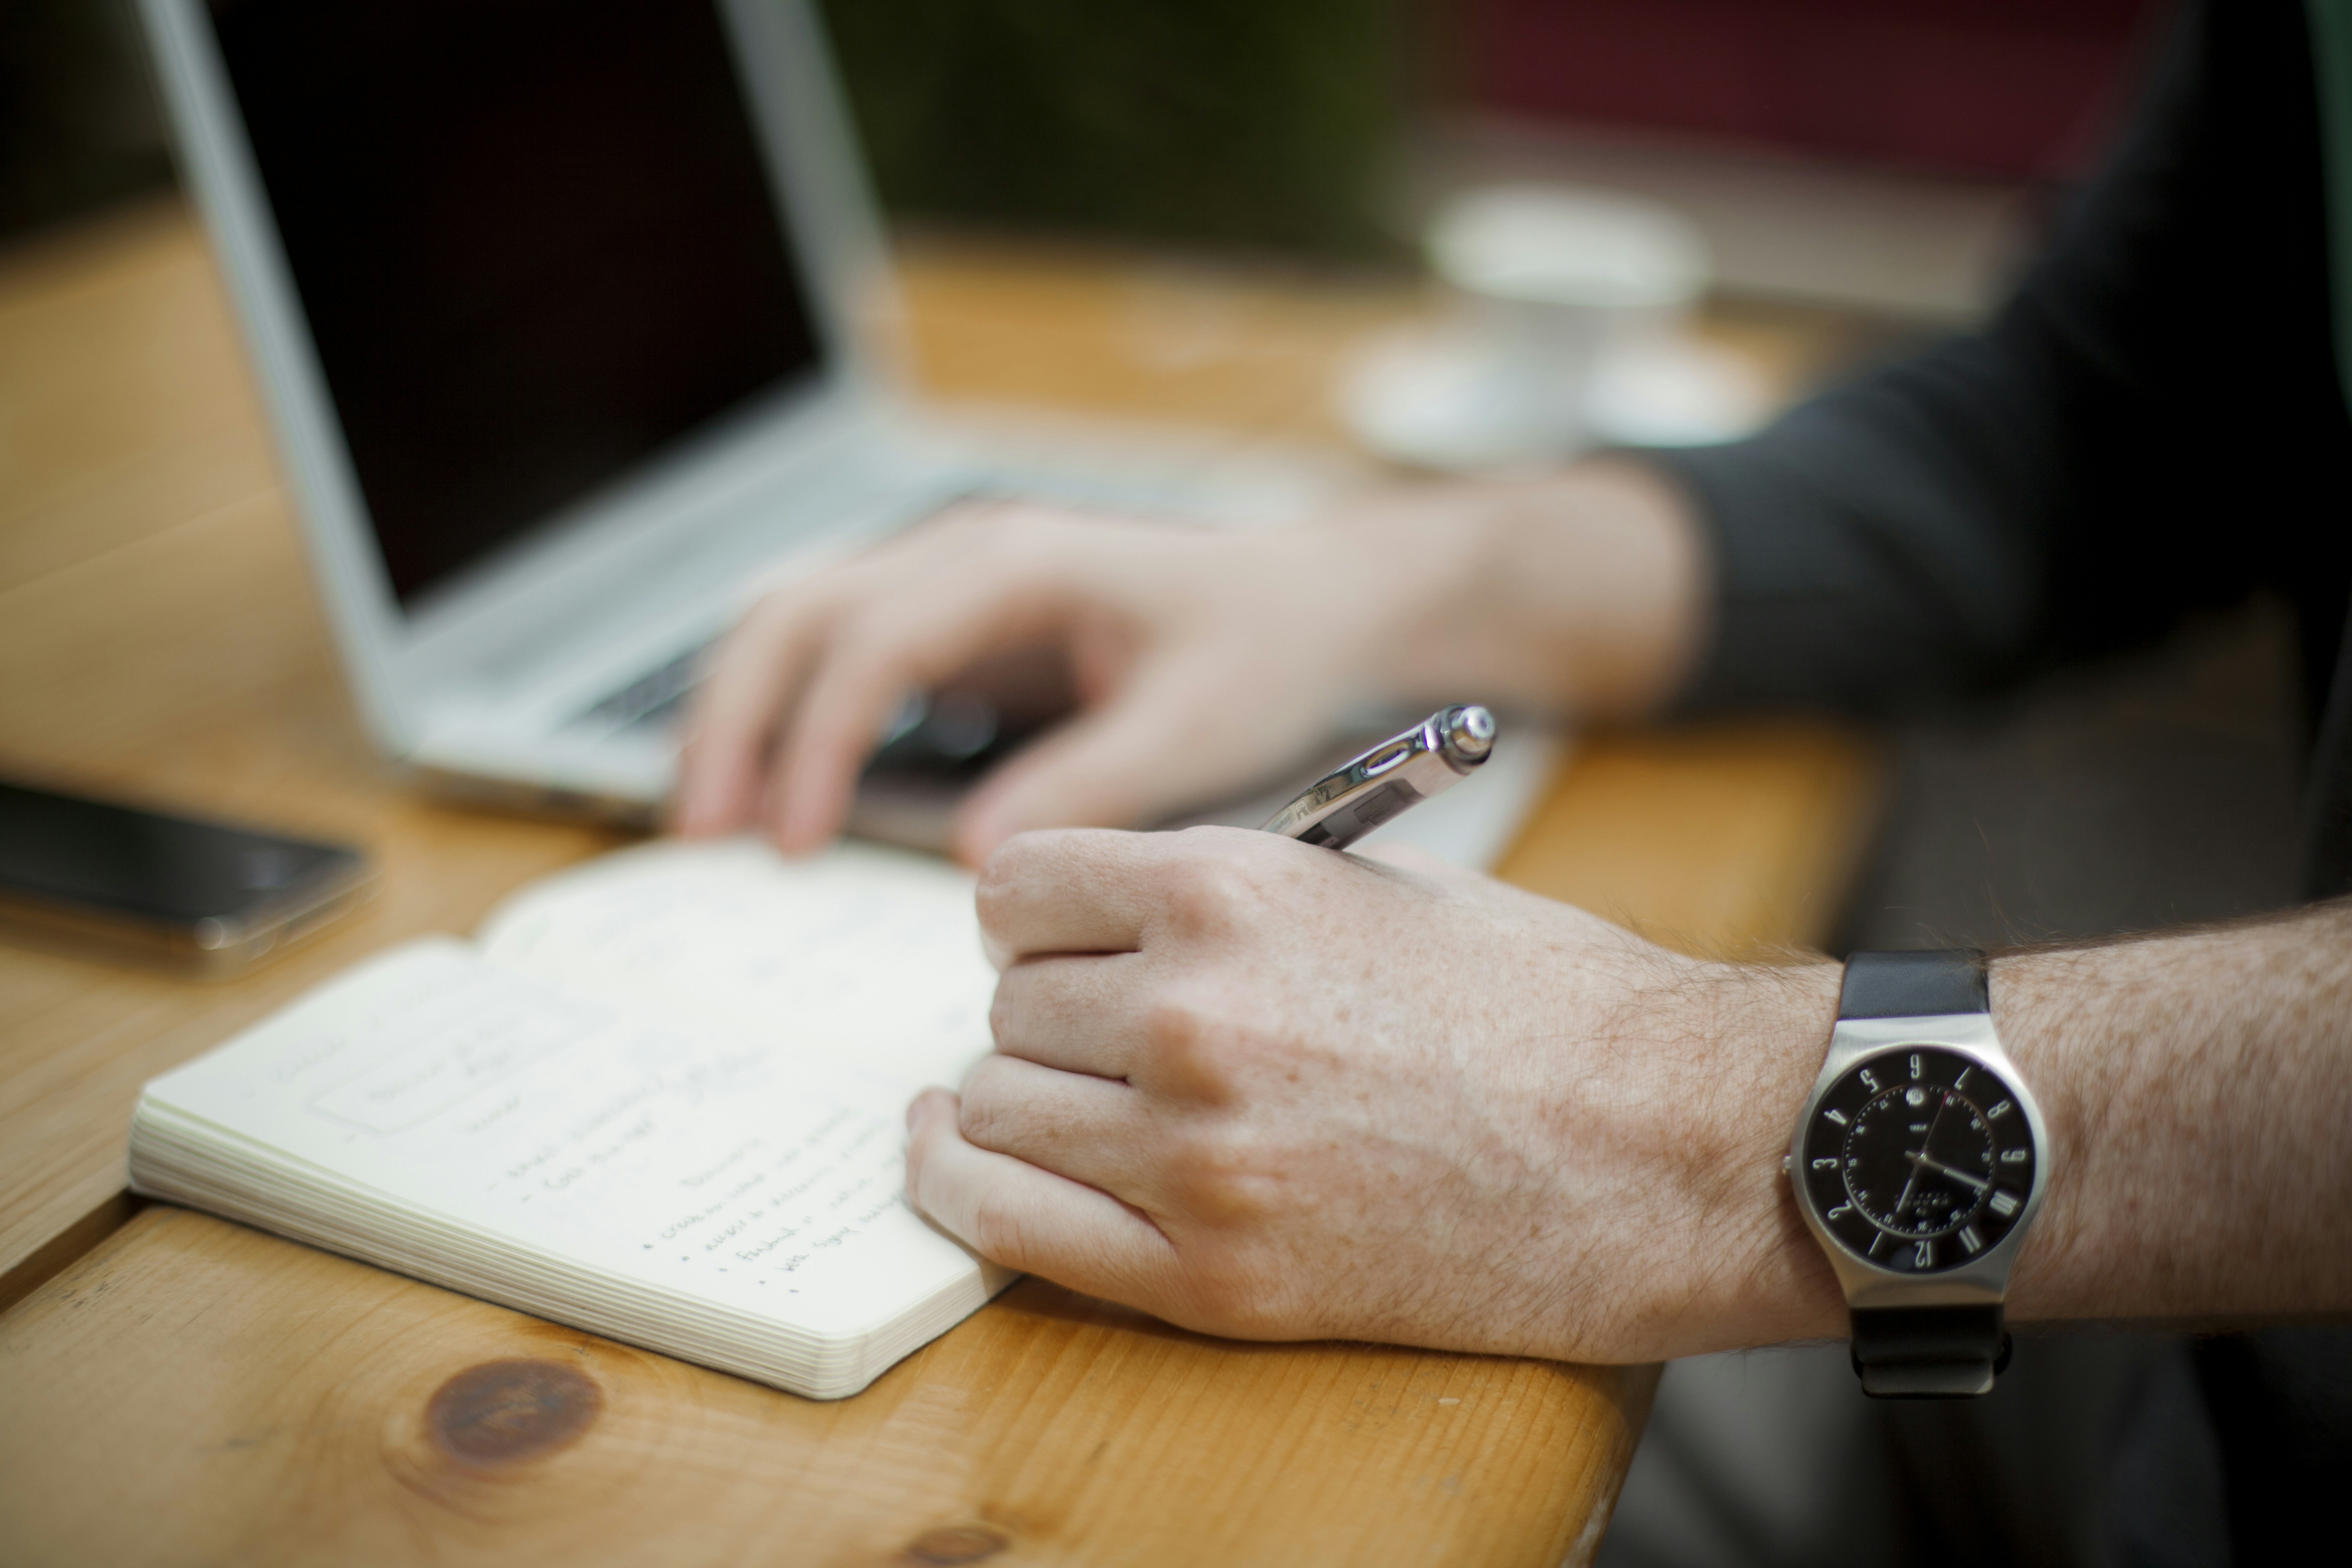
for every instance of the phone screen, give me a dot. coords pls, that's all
(143, 866)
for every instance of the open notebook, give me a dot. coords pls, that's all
(660, 1096)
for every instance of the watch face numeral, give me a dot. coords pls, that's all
(1900, 1167)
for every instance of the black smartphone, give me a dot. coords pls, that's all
(945, 740)
(942, 744)
(207, 896)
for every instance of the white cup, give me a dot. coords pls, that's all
(1547, 282)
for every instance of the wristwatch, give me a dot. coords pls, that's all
(1918, 1165)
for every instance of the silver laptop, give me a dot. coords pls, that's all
(555, 307)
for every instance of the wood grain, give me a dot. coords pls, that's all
(1728, 839)
(191, 1391)
(198, 1393)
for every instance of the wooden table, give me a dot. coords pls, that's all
(174, 1388)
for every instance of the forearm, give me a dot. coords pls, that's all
(2198, 1089)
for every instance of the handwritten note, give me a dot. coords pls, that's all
(721, 1165)
(862, 956)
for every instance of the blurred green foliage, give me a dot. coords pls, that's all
(1266, 123)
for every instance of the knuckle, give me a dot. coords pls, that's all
(982, 1114)
(1039, 858)
(1175, 1024)
(1208, 888)
(1000, 877)
(866, 640)
(996, 895)
(1200, 1046)
(1220, 1178)
(774, 616)
(1190, 1040)
(999, 1229)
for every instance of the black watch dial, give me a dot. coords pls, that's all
(1918, 1158)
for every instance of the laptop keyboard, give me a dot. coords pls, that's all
(651, 701)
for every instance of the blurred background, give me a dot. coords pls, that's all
(1307, 126)
(1872, 173)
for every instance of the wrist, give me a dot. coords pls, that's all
(1583, 593)
(1754, 1274)
(1920, 1162)
(1608, 574)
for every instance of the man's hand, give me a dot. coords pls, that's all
(1265, 1090)
(1203, 658)
(1200, 659)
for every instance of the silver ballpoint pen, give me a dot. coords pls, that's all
(1434, 755)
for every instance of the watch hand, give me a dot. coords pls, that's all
(1896, 1212)
(1938, 1165)
(1915, 1158)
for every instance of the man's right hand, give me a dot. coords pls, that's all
(1203, 658)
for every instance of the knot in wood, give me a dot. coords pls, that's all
(956, 1543)
(505, 1410)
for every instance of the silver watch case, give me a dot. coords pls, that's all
(1983, 1280)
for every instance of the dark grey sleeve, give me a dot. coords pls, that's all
(2151, 425)
(1872, 548)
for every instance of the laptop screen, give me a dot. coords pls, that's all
(535, 242)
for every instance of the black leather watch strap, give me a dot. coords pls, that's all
(1928, 1353)
(1926, 984)
(1923, 1352)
